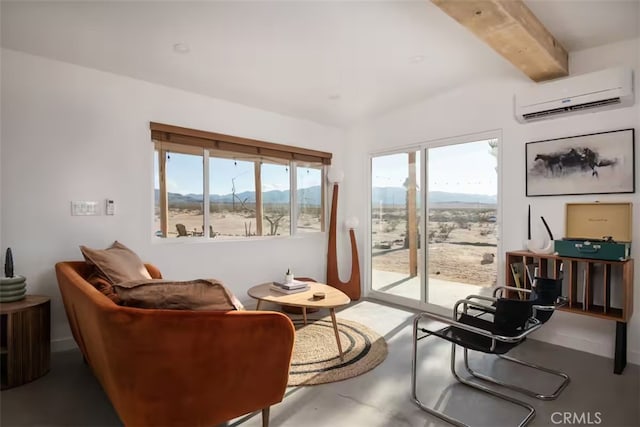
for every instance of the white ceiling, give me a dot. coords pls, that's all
(332, 62)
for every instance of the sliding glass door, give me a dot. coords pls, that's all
(459, 227)
(396, 261)
(462, 220)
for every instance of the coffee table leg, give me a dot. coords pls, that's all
(258, 306)
(304, 315)
(335, 330)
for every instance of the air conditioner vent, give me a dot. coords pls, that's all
(552, 112)
(595, 104)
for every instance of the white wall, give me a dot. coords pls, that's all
(488, 106)
(73, 133)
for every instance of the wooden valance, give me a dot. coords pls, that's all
(235, 144)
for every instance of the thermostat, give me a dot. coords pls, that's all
(110, 208)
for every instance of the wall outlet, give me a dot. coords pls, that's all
(84, 208)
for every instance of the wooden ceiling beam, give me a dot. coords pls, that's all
(512, 30)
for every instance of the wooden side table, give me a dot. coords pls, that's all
(25, 340)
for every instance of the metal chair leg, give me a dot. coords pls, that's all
(414, 394)
(528, 392)
(531, 411)
(526, 420)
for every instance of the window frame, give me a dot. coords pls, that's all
(167, 139)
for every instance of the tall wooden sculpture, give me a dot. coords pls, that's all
(352, 287)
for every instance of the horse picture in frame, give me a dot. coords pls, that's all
(597, 163)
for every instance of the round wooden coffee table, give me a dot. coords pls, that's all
(333, 298)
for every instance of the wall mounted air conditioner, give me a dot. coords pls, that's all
(602, 90)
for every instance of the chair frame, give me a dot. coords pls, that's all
(532, 325)
(528, 392)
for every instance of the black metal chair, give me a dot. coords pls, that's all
(492, 325)
(512, 322)
(545, 296)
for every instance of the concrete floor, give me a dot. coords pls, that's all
(444, 293)
(69, 395)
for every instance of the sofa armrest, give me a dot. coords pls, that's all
(168, 367)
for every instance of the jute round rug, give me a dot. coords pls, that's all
(315, 353)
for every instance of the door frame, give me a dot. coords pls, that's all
(422, 148)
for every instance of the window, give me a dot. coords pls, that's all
(310, 203)
(276, 199)
(232, 198)
(252, 187)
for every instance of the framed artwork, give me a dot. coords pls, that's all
(598, 163)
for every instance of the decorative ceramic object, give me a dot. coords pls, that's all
(288, 276)
(537, 248)
(8, 264)
(12, 288)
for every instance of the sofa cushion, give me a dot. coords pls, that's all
(200, 294)
(104, 286)
(117, 263)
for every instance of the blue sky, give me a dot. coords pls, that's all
(184, 175)
(462, 168)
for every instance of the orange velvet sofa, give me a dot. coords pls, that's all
(177, 367)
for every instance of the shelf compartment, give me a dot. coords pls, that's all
(597, 311)
(599, 288)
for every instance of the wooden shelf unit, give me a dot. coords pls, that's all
(25, 340)
(587, 283)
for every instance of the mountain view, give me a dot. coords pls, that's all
(310, 195)
(397, 195)
(388, 195)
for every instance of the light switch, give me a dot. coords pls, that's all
(84, 208)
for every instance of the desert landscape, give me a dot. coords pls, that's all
(462, 236)
(229, 224)
(462, 243)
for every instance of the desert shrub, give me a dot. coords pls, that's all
(439, 215)
(382, 245)
(444, 230)
(391, 225)
(463, 223)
